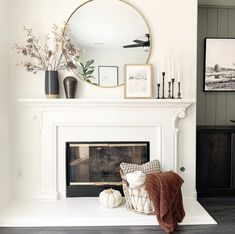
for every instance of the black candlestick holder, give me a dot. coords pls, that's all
(173, 84)
(169, 89)
(158, 91)
(179, 93)
(163, 84)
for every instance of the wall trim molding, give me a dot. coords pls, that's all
(216, 6)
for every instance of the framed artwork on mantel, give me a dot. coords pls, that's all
(138, 81)
(219, 74)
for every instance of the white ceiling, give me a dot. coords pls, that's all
(217, 2)
(107, 23)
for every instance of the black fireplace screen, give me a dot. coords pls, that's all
(97, 164)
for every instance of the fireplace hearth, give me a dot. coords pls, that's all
(92, 167)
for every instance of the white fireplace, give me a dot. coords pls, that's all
(61, 121)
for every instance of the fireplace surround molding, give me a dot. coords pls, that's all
(61, 120)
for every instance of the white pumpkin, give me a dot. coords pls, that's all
(110, 198)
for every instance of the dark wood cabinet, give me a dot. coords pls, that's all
(215, 161)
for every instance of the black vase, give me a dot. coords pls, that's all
(51, 84)
(70, 86)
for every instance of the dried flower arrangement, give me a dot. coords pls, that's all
(48, 55)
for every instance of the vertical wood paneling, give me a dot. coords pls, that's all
(231, 95)
(212, 31)
(201, 97)
(221, 97)
(219, 107)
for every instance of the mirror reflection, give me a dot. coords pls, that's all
(109, 34)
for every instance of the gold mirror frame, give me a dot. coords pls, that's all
(137, 10)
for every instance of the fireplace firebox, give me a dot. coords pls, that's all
(92, 167)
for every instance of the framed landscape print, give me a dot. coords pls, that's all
(219, 72)
(108, 76)
(138, 81)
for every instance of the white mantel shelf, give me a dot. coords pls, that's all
(68, 103)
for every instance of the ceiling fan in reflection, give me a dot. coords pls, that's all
(139, 43)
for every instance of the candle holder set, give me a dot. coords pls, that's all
(171, 86)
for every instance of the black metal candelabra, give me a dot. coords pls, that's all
(173, 83)
(179, 92)
(158, 90)
(169, 89)
(163, 84)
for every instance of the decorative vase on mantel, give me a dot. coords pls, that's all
(70, 86)
(51, 84)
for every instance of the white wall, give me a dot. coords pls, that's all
(4, 106)
(174, 26)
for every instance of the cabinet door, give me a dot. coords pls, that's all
(213, 160)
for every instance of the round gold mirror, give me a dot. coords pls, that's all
(109, 34)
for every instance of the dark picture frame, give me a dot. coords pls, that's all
(219, 65)
(108, 76)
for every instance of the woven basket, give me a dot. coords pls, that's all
(137, 199)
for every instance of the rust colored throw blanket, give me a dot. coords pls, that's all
(165, 191)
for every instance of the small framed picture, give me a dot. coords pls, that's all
(219, 65)
(108, 76)
(138, 81)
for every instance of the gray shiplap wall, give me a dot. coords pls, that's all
(215, 108)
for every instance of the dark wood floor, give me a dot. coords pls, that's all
(222, 210)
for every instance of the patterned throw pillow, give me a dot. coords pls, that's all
(147, 168)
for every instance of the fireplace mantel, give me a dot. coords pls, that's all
(73, 103)
(62, 120)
